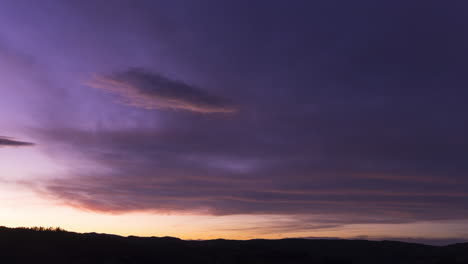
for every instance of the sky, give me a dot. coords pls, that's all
(236, 119)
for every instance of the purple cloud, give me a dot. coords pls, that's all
(9, 142)
(155, 171)
(144, 89)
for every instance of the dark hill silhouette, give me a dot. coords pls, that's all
(39, 245)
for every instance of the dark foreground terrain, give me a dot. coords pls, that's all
(56, 246)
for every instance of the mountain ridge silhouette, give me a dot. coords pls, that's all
(52, 245)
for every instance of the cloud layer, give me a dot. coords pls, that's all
(141, 88)
(339, 117)
(199, 171)
(356, 111)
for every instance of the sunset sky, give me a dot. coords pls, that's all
(236, 119)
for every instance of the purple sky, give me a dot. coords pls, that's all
(351, 110)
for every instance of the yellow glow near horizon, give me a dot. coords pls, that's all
(20, 206)
(28, 209)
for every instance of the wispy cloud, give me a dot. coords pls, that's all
(9, 142)
(145, 89)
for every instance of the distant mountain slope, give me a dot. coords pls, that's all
(21, 245)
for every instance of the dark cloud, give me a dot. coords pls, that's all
(145, 89)
(166, 170)
(9, 142)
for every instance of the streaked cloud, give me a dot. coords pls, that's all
(10, 142)
(155, 171)
(149, 90)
